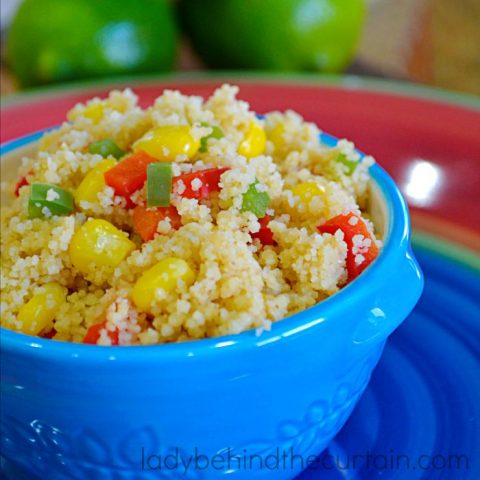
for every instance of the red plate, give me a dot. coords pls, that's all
(428, 140)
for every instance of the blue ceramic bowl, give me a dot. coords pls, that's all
(245, 406)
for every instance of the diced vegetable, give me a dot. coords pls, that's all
(129, 175)
(106, 148)
(275, 135)
(22, 182)
(94, 111)
(255, 200)
(97, 243)
(305, 191)
(93, 334)
(145, 221)
(56, 200)
(165, 276)
(48, 333)
(166, 142)
(350, 165)
(38, 313)
(217, 133)
(254, 141)
(199, 184)
(361, 246)
(93, 183)
(265, 235)
(159, 184)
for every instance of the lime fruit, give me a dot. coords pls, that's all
(274, 34)
(57, 40)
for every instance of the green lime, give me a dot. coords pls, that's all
(274, 34)
(57, 40)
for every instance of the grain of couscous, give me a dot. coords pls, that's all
(185, 220)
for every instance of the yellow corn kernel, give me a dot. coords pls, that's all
(275, 135)
(164, 276)
(306, 191)
(166, 142)
(254, 142)
(94, 111)
(93, 183)
(49, 141)
(40, 310)
(97, 244)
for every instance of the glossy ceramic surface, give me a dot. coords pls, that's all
(424, 394)
(418, 389)
(419, 418)
(79, 411)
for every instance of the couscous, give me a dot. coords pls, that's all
(189, 219)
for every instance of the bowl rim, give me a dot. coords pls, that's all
(396, 242)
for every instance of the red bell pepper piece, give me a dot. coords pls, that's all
(358, 257)
(265, 235)
(21, 183)
(210, 179)
(145, 221)
(50, 334)
(129, 175)
(93, 334)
